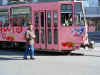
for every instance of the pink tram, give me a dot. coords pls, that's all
(59, 26)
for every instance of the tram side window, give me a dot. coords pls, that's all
(42, 36)
(49, 19)
(37, 36)
(4, 17)
(42, 19)
(66, 19)
(66, 14)
(36, 16)
(49, 36)
(21, 16)
(55, 36)
(55, 19)
(4, 21)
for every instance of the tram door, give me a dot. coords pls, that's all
(46, 29)
(40, 29)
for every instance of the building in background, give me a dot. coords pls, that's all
(92, 10)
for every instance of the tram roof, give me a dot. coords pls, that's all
(49, 2)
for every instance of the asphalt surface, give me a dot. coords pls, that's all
(47, 63)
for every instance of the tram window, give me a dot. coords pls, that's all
(66, 7)
(42, 36)
(55, 19)
(4, 17)
(66, 14)
(77, 19)
(49, 19)
(27, 19)
(14, 21)
(17, 20)
(21, 16)
(4, 21)
(55, 36)
(37, 36)
(36, 15)
(79, 16)
(49, 36)
(42, 19)
(66, 19)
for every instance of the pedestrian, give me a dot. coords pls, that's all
(30, 36)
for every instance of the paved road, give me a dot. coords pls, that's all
(89, 51)
(12, 63)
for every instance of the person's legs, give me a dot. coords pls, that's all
(26, 52)
(31, 52)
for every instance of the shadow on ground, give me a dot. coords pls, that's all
(11, 58)
(18, 55)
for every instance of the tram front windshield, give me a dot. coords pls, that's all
(70, 16)
(79, 16)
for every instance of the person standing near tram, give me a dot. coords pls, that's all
(30, 38)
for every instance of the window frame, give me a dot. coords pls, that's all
(23, 15)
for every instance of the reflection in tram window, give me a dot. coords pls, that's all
(49, 19)
(27, 20)
(14, 20)
(55, 19)
(42, 19)
(49, 36)
(66, 19)
(36, 19)
(6, 23)
(4, 20)
(37, 36)
(21, 16)
(78, 19)
(4, 17)
(20, 20)
(42, 36)
(55, 36)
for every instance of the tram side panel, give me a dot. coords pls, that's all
(69, 39)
